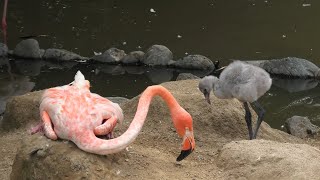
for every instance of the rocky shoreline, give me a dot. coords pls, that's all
(157, 56)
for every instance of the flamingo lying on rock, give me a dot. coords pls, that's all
(72, 112)
(244, 82)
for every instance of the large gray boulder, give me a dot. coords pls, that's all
(29, 49)
(157, 55)
(110, 56)
(301, 127)
(61, 55)
(194, 62)
(3, 50)
(134, 57)
(290, 67)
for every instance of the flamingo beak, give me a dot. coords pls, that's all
(184, 154)
(187, 146)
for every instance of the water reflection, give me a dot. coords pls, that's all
(295, 85)
(29, 67)
(287, 98)
(158, 76)
(13, 86)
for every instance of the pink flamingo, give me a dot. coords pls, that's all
(4, 22)
(72, 112)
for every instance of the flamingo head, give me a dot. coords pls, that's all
(80, 81)
(206, 85)
(183, 124)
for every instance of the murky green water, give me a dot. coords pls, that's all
(218, 29)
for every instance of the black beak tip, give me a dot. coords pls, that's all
(184, 154)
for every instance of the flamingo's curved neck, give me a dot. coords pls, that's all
(119, 143)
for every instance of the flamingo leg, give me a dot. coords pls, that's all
(47, 126)
(260, 112)
(4, 21)
(107, 127)
(248, 119)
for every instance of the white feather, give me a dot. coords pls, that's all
(79, 79)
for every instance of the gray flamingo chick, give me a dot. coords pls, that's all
(244, 82)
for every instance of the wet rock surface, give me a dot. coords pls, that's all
(110, 56)
(61, 55)
(28, 49)
(290, 67)
(157, 55)
(194, 62)
(301, 127)
(134, 57)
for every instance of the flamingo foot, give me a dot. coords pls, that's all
(36, 129)
(107, 136)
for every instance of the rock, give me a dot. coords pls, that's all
(289, 67)
(184, 76)
(301, 127)
(61, 55)
(41, 158)
(194, 62)
(157, 55)
(134, 57)
(29, 49)
(119, 100)
(3, 50)
(22, 111)
(261, 159)
(110, 56)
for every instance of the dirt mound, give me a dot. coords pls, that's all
(261, 159)
(153, 154)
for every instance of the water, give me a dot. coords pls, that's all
(218, 29)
